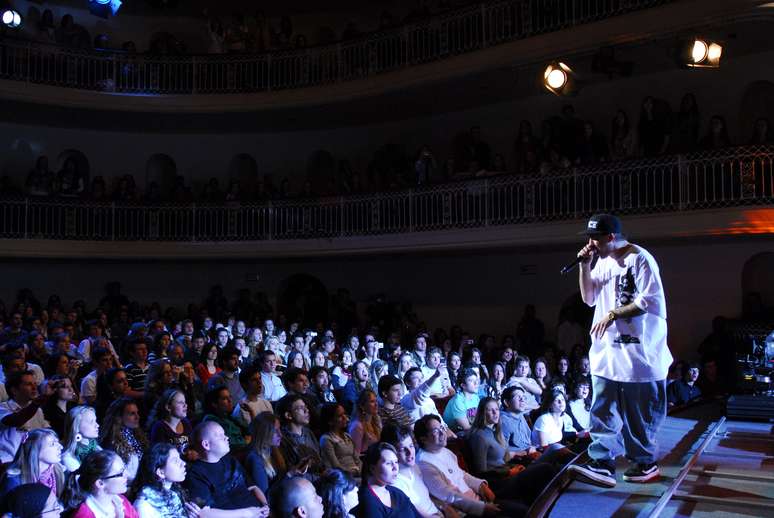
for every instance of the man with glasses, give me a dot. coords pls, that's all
(451, 485)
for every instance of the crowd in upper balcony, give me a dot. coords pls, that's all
(233, 33)
(563, 142)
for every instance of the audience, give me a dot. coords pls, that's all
(217, 480)
(378, 496)
(219, 408)
(121, 433)
(20, 414)
(31, 500)
(299, 445)
(158, 485)
(241, 454)
(452, 485)
(461, 409)
(295, 497)
(37, 461)
(409, 478)
(553, 425)
(265, 463)
(338, 492)
(391, 410)
(336, 445)
(169, 424)
(98, 489)
(366, 425)
(684, 390)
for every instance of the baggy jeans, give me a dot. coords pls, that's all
(625, 418)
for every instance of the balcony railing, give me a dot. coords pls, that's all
(458, 32)
(725, 178)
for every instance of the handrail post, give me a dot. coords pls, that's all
(113, 221)
(193, 75)
(486, 202)
(270, 218)
(575, 194)
(29, 62)
(193, 222)
(115, 73)
(341, 216)
(411, 209)
(483, 26)
(26, 216)
(268, 72)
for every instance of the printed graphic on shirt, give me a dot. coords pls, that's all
(471, 414)
(625, 290)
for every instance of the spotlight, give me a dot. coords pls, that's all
(11, 19)
(559, 79)
(699, 53)
(104, 8)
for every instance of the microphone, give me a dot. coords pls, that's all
(571, 266)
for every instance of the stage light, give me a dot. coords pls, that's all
(558, 78)
(699, 53)
(714, 52)
(104, 8)
(11, 19)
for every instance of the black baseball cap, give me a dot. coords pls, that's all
(602, 224)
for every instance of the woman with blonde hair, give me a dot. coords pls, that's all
(80, 436)
(254, 343)
(37, 460)
(265, 462)
(365, 427)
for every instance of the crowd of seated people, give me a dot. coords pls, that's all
(563, 142)
(119, 411)
(237, 33)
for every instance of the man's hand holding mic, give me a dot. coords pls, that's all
(586, 254)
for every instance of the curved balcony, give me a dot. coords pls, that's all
(733, 177)
(466, 30)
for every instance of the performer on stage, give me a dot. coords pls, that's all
(629, 354)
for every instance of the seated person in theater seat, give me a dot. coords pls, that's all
(461, 409)
(684, 390)
(217, 480)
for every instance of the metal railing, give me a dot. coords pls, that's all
(472, 28)
(724, 178)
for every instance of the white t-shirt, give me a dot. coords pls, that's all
(273, 389)
(89, 388)
(409, 480)
(632, 349)
(418, 402)
(583, 416)
(10, 436)
(546, 424)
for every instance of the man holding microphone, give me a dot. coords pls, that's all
(629, 354)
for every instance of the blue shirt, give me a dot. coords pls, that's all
(515, 430)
